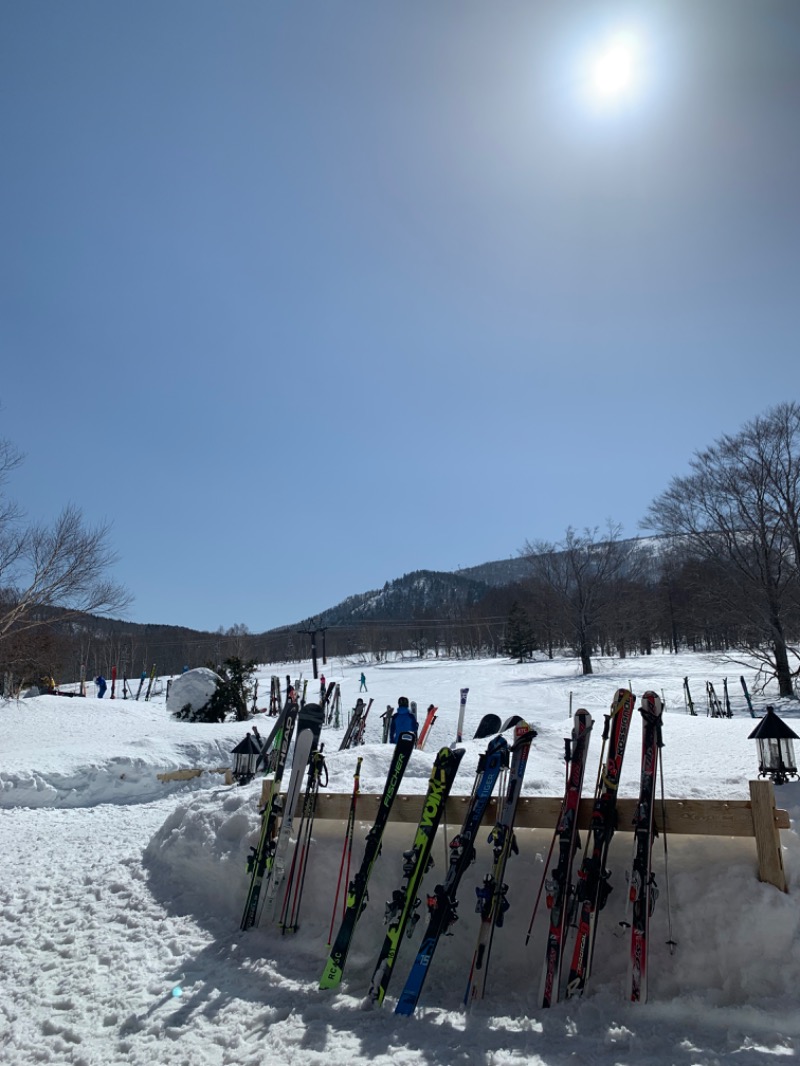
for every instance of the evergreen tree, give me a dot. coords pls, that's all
(519, 643)
(230, 697)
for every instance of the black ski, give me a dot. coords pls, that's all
(747, 697)
(357, 889)
(643, 891)
(487, 727)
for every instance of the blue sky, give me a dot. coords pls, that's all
(302, 297)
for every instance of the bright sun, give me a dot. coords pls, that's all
(613, 70)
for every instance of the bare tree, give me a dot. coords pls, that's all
(739, 511)
(61, 565)
(580, 574)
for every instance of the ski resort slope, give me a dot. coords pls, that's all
(121, 896)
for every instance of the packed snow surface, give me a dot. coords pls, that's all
(121, 893)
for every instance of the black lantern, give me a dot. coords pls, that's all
(775, 749)
(245, 759)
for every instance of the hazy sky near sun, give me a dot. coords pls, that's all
(302, 297)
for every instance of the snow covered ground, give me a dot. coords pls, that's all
(118, 891)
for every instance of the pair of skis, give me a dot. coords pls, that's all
(354, 734)
(443, 901)
(559, 886)
(492, 903)
(593, 885)
(402, 909)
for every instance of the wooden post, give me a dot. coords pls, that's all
(768, 839)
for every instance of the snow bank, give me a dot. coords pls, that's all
(63, 752)
(105, 909)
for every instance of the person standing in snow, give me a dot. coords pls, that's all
(403, 721)
(100, 681)
(363, 684)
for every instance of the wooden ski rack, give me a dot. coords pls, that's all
(757, 818)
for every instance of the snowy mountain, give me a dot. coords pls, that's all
(422, 593)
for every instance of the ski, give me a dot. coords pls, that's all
(442, 903)
(492, 903)
(487, 727)
(559, 885)
(259, 855)
(593, 878)
(427, 725)
(511, 723)
(643, 891)
(113, 682)
(714, 706)
(726, 698)
(357, 889)
(150, 683)
(462, 710)
(278, 850)
(688, 696)
(358, 732)
(747, 697)
(327, 696)
(353, 725)
(402, 909)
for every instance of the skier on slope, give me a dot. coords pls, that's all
(363, 686)
(100, 681)
(403, 721)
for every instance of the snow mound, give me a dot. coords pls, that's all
(197, 859)
(195, 688)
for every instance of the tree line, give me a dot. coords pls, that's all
(719, 572)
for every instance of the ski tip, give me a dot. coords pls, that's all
(514, 720)
(523, 734)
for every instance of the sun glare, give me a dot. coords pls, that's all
(614, 70)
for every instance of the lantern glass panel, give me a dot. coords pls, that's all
(787, 754)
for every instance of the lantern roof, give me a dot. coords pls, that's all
(248, 746)
(771, 727)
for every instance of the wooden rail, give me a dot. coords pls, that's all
(187, 775)
(757, 817)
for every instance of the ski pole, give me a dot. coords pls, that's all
(567, 759)
(671, 943)
(347, 849)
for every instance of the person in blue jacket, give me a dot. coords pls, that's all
(403, 721)
(101, 686)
